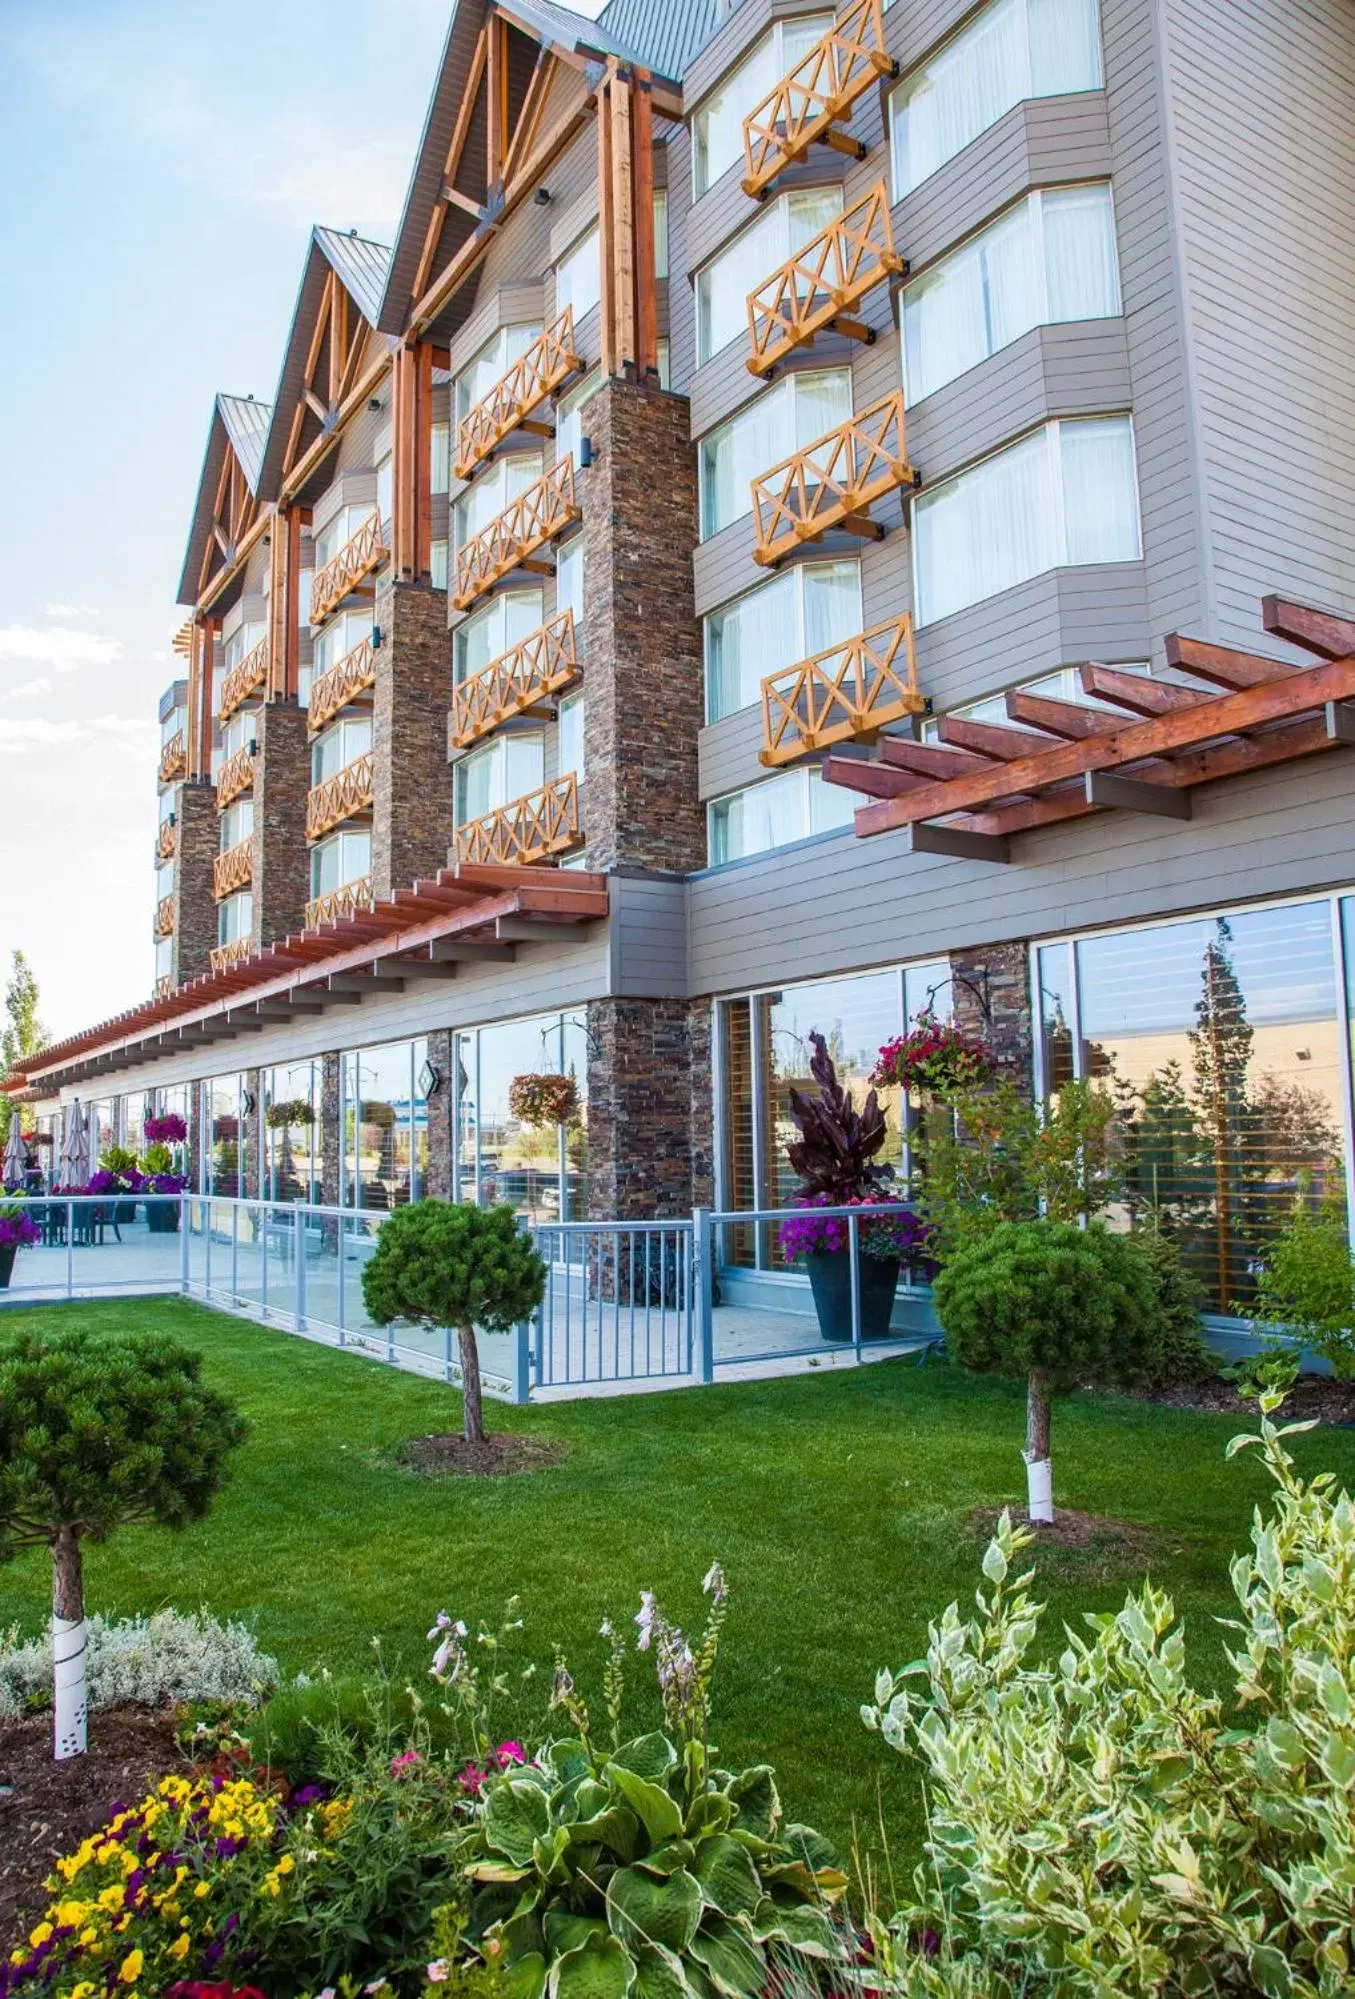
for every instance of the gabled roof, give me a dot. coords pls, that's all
(361, 268)
(239, 424)
(664, 37)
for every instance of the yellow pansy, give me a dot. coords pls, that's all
(70, 1915)
(111, 1899)
(179, 1947)
(130, 1969)
(40, 1934)
(202, 1890)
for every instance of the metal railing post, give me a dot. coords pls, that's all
(522, 1361)
(235, 1250)
(70, 1250)
(343, 1290)
(703, 1282)
(264, 1212)
(854, 1268)
(207, 1246)
(299, 1274)
(184, 1262)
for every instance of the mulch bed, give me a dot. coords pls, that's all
(1314, 1397)
(1090, 1546)
(47, 1808)
(499, 1456)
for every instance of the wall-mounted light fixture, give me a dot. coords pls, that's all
(430, 1079)
(376, 637)
(585, 453)
(543, 197)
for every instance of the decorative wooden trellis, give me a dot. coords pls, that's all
(816, 96)
(234, 869)
(342, 574)
(832, 482)
(845, 693)
(510, 541)
(235, 777)
(815, 291)
(244, 679)
(342, 796)
(344, 682)
(545, 822)
(539, 372)
(541, 665)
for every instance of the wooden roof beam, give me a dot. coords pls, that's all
(1319, 631)
(1223, 665)
(1137, 692)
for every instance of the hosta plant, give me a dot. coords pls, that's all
(640, 1866)
(1099, 1827)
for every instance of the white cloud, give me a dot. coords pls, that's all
(18, 737)
(29, 688)
(57, 647)
(70, 610)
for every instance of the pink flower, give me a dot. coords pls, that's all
(510, 1752)
(437, 1971)
(404, 1766)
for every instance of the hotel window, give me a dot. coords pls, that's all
(1063, 496)
(384, 1124)
(225, 1133)
(776, 813)
(505, 622)
(578, 276)
(807, 608)
(543, 1175)
(1012, 50)
(440, 458)
(176, 719)
(570, 418)
(165, 804)
(722, 287)
(293, 1151)
(569, 738)
(1064, 684)
(234, 917)
(241, 643)
(494, 490)
(342, 635)
(1050, 258)
(717, 129)
(340, 745)
(236, 734)
(489, 366)
(437, 564)
(344, 857)
(569, 567)
(504, 771)
(164, 880)
(340, 530)
(237, 823)
(661, 232)
(800, 408)
(164, 957)
(665, 364)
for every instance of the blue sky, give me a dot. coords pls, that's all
(161, 162)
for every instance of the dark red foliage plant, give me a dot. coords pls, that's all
(835, 1154)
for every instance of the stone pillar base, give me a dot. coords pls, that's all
(650, 1142)
(1001, 974)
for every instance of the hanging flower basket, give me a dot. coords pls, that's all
(291, 1110)
(168, 1129)
(543, 1100)
(933, 1056)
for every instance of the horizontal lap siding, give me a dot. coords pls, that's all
(1078, 368)
(1063, 616)
(649, 937)
(1266, 208)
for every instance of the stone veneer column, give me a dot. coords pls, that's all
(196, 836)
(441, 1118)
(412, 807)
(642, 671)
(251, 1137)
(331, 1137)
(282, 775)
(1009, 1031)
(649, 1140)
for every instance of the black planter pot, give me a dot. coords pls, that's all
(8, 1252)
(830, 1279)
(162, 1217)
(124, 1211)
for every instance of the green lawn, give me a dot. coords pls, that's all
(839, 1504)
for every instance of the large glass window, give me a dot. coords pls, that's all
(344, 857)
(1064, 495)
(795, 412)
(569, 741)
(1013, 49)
(494, 490)
(569, 563)
(1052, 257)
(241, 643)
(440, 458)
(235, 917)
(339, 530)
(1219, 1038)
(578, 276)
(384, 1120)
(542, 1172)
(802, 611)
(505, 621)
(661, 232)
(237, 823)
(224, 1137)
(505, 770)
(569, 417)
(171, 725)
(237, 733)
(342, 635)
(776, 813)
(1064, 684)
(717, 128)
(293, 1132)
(340, 745)
(164, 957)
(722, 287)
(489, 366)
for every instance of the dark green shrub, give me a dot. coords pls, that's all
(441, 1263)
(1306, 1294)
(1055, 1306)
(1186, 1355)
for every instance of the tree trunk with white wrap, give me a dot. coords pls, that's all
(70, 1698)
(1039, 1467)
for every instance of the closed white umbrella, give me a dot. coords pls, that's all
(76, 1165)
(16, 1153)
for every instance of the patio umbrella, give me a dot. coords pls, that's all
(16, 1153)
(76, 1164)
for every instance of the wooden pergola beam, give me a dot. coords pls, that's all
(1319, 631)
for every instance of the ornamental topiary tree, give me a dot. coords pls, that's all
(97, 1434)
(440, 1263)
(1057, 1306)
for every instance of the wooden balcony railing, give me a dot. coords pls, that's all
(344, 571)
(166, 840)
(813, 291)
(163, 986)
(340, 902)
(847, 692)
(817, 95)
(343, 682)
(513, 537)
(234, 869)
(543, 664)
(235, 776)
(174, 758)
(164, 916)
(245, 678)
(223, 956)
(544, 822)
(831, 482)
(539, 372)
(342, 796)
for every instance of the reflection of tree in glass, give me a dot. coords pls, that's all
(1298, 1142)
(1221, 1047)
(1166, 1156)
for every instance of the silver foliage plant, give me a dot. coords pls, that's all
(169, 1656)
(1097, 1826)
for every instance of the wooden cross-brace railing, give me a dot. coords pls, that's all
(234, 869)
(235, 776)
(342, 796)
(831, 482)
(845, 693)
(341, 575)
(166, 839)
(545, 822)
(343, 682)
(245, 677)
(814, 291)
(542, 664)
(337, 903)
(164, 916)
(816, 96)
(163, 986)
(223, 956)
(173, 758)
(541, 371)
(513, 537)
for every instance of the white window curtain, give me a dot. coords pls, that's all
(805, 610)
(492, 362)
(578, 277)
(1052, 257)
(793, 413)
(722, 288)
(499, 774)
(504, 623)
(776, 813)
(1012, 50)
(1064, 495)
(493, 491)
(718, 125)
(569, 740)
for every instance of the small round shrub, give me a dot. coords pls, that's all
(1186, 1356)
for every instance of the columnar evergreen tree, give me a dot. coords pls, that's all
(23, 1034)
(97, 1434)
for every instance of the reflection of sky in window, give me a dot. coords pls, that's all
(853, 1015)
(1149, 981)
